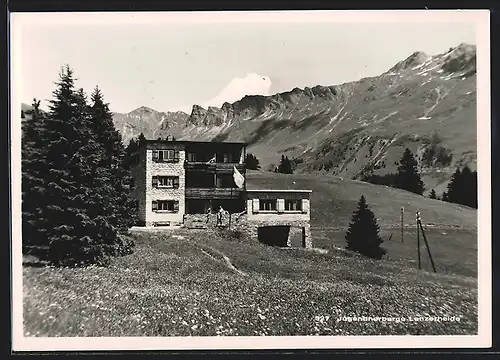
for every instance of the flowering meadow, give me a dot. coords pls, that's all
(194, 283)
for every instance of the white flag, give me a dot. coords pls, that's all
(212, 160)
(238, 178)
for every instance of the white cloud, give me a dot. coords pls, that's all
(237, 88)
(251, 84)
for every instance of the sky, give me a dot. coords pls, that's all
(169, 63)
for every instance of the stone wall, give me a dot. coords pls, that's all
(296, 220)
(153, 193)
(249, 227)
(248, 224)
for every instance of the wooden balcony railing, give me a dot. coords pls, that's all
(213, 193)
(215, 167)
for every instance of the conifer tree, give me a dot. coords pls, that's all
(408, 176)
(285, 167)
(122, 214)
(131, 151)
(363, 233)
(73, 220)
(433, 195)
(462, 188)
(252, 162)
(33, 168)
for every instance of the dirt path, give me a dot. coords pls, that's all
(227, 261)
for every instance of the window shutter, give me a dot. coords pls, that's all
(154, 181)
(281, 205)
(176, 206)
(155, 155)
(154, 205)
(176, 182)
(305, 205)
(176, 155)
(255, 205)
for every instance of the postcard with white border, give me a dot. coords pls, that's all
(250, 180)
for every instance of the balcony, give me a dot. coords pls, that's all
(215, 167)
(213, 193)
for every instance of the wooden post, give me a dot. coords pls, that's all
(426, 244)
(229, 211)
(402, 223)
(418, 242)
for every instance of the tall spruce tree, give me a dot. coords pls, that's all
(363, 233)
(462, 188)
(33, 169)
(132, 149)
(408, 176)
(77, 186)
(122, 214)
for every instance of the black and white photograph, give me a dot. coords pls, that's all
(250, 180)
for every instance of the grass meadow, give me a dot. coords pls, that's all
(204, 283)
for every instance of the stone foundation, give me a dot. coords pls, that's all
(300, 229)
(299, 235)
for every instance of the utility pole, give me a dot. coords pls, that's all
(426, 243)
(418, 241)
(402, 223)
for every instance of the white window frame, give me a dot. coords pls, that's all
(167, 152)
(298, 206)
(168, 179)
(263, 205)
(162, 206)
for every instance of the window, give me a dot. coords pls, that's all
(165, 181)
(165, 205)
(225, 181)
(165, 155)
(267, 205)
(191, 157)
(293, 205)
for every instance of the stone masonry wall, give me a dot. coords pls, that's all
(296, 220)
(249, 223)
(152, 193)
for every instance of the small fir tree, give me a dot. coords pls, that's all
(285, 166)
(433, 195)
(408, 176)
(252, 162)
(363, 233)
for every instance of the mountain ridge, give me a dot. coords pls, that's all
(350, 129)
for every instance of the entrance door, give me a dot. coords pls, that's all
(274, 235)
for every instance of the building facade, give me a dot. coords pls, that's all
(181, 183)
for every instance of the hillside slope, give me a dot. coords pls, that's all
(347, 129)
(177, 284)
(334, 199)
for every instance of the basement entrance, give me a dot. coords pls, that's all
(274, 235)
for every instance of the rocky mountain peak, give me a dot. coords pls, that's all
(415, 59)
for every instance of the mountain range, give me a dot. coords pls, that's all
(349, 129)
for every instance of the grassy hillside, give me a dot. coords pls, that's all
(192, 283)
(451, 229)
(334, 199)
